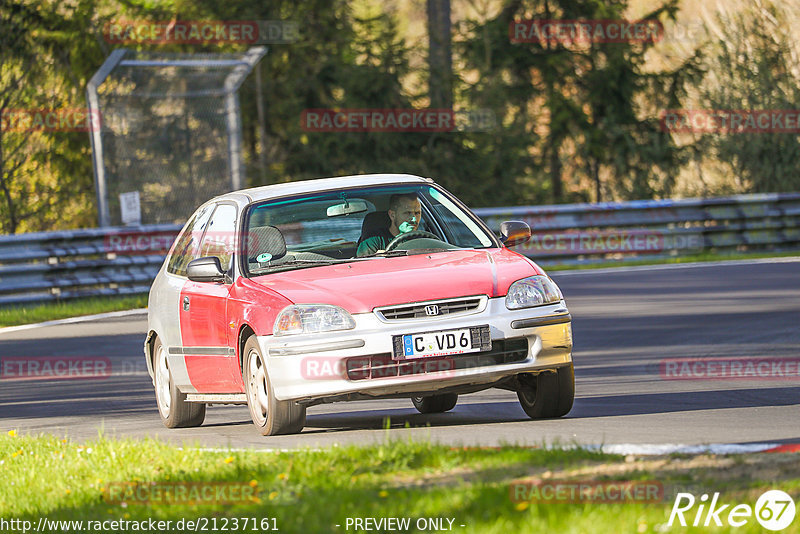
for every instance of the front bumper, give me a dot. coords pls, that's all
(316, 367)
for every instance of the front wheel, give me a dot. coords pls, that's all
(270, 415)
(548, 394)
(175, 412)
(435, 403)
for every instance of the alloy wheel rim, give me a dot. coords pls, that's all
(529, 395)
(163, 383)
(257, 382)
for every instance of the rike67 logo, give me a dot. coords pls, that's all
(774, 510)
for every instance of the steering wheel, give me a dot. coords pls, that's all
(402, 238)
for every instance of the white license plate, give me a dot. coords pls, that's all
(443, 343)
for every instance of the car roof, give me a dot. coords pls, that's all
(322, 184)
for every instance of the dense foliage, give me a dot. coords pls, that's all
(574, 121)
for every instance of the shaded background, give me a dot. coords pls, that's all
(575, 121)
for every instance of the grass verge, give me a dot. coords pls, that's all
(314, 491)
(18, 315)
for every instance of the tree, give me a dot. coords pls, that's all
(753, 66)
(584, 100)
(45, 58)
(18, 64)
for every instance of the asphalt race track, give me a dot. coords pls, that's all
(626, 324)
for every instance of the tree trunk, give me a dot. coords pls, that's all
(440, 61)
(262, 128)
(555, 171)
(598, 192)
(11, 226)
(553, 144)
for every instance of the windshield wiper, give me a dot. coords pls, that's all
(298, 261)
(411, 252)
(389, 254)
(301, 263)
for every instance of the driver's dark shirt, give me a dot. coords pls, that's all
(373, 244)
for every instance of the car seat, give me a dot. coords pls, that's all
(373, 223)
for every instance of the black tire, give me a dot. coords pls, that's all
(175, 412)
(435, 403)
(271, 416)
(547, 394)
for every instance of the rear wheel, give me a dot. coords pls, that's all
(175, 412)
(271, 416)
(435, 403)
(548, 394)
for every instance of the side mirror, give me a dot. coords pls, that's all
(206, 269)
(514, 233)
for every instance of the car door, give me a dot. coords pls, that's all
(206, 336)
(165, 296)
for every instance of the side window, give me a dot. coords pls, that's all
(463, 231)
(187, 244)
(221, 235)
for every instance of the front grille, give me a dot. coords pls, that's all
(383, 366)
(419, 310)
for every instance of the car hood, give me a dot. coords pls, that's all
(360, 286)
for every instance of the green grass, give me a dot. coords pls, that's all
(18, 315)
(703, 257)
(311, 491)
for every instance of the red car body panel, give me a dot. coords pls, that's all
(359, 287)
(256, 305)
(204, 326)
(217, 312)
(512, 266)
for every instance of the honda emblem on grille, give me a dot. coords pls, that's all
(432, 309)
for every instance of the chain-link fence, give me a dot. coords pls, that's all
(170, 134)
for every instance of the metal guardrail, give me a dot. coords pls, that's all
(50, 266)
(587, 233)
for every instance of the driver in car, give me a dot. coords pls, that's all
(405, 213)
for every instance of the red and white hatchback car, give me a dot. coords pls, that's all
(267, 298)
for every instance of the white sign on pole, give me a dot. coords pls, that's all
(130, 208)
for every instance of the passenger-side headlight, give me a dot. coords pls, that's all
(312, 318)
(532, 291)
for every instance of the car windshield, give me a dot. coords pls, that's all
(357, 225)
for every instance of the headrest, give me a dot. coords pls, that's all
(266, 240)
(373, 223)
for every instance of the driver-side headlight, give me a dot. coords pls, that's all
(312, 318)
(532, 291)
